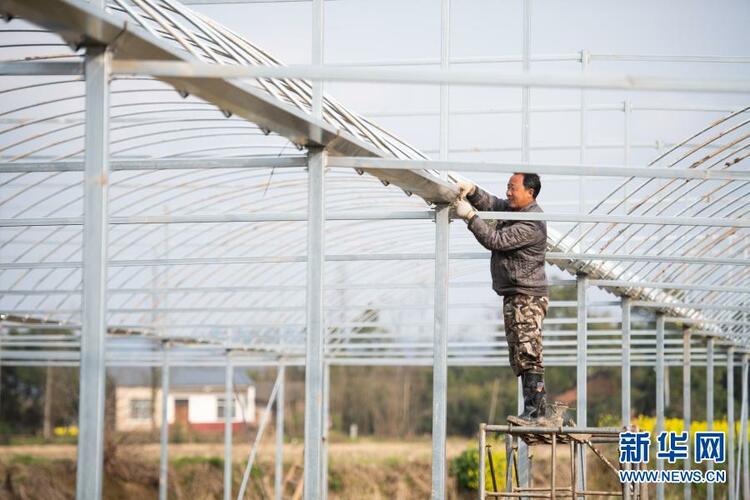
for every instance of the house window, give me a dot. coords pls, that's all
(140, 409)
(221, 406)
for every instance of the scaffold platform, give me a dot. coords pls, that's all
(578, 439)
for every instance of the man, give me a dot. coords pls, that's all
(517, 268)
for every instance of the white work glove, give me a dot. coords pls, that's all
(463, 209)
(465, 188)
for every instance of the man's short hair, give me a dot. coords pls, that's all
(531, 181)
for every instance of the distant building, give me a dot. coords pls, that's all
(196, 399)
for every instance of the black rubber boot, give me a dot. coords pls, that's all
(534, 399)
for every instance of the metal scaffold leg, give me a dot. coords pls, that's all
(578, 439)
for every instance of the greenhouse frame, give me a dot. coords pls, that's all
(124, 226)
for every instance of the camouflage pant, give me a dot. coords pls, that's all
(523, 316)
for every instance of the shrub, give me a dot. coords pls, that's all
(466, 469)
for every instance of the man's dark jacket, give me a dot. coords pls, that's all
(517, 246)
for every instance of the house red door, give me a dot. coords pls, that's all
(181, 411)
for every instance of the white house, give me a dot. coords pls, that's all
(196, 399)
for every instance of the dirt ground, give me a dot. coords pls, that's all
(393, 470)
(362, 451)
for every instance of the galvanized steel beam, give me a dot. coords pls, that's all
(251, 162)
(164, 427)
(553, 257)
(228, 414)
(625, 380)
(686, 396)
(660, 393)
(440, 354)
(315, 335)
(730, 421)
(199, 70)
(278, 478)
(373, 215)
(541, 168)
(41, 68)
(710, 404)
(96, 182)
(744, 425)
(582, 367)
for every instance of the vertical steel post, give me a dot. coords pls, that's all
(482, 451)
(318, 42)
(228, 407)
(445, 16)
(730, 418)
(583, 133)
(659, 392)
(95, 219)
(525, 91)
(315, 341)
(581, 367)
(627, 108)
(625, 379)
(279, 469)
(686, 410)
(553, 467)
(710, 404)
(324, 447)
(744, 428)
(164, 428)
(574, 481)
(440, 352)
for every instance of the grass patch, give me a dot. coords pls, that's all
(28, 460)
(216, 462)
(39, 440)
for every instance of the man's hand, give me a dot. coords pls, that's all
(465, 188)
(463, 209)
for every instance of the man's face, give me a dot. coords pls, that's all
(518, 195)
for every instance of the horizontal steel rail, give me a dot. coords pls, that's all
(551, 256)
(41, 68)
(167, 69)
(368, 286)
(380, 215)
(362, 307)
(541, 168)
(252, 162)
